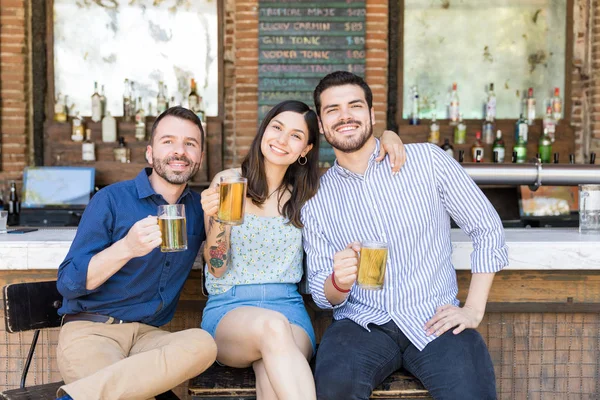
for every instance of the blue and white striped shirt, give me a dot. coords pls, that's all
(411, 212)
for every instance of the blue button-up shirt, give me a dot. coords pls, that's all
(411, 212)
(145, 289)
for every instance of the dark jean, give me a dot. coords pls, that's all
(352, 361)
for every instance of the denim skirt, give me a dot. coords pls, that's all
(280, 297)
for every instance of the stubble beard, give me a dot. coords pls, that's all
(174, 177)
(350, 145)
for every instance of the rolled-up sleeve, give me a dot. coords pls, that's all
(472, 212)
(319, 257)
(94, 234)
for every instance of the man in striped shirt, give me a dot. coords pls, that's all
(415, 321)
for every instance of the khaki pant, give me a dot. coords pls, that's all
(128, 361)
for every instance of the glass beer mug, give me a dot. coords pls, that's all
(371, 268)
(589, 208)
(232, 200)
(173, 230)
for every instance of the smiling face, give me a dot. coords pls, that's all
(346, 120)
(175, 152)
(285, 139)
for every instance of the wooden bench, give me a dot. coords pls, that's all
(224, 383)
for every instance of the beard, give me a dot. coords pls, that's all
(161, 166)
(349, 145)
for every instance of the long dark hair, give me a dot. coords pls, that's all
(303, 179)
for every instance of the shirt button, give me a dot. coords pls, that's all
(167, 263)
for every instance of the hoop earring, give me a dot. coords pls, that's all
(300, 160)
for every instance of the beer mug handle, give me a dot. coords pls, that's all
(584, 195)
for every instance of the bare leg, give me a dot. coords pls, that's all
(248, 334)
(264, 389)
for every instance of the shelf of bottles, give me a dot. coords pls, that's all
(115, 146)
(526, 139)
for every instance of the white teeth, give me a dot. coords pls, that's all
(278, 150)
(347, 128)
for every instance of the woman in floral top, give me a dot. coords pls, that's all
(254, 310)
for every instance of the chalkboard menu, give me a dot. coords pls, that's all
(300, 42)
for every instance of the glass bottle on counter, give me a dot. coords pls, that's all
(77, 128)
(556, 106)
(521, 150)
(88, 148)
(490, 106)
(434, 131)
(477, 147)
(60, 109)
(545, 148)
(447, 147)
(193, 99)
(122, 153)
(521, 129)
(161, 99)
(96, 104)
(488, 132)
(140, 122)
(460, 131)
(103, 101)
(530, 104)
(549, 124)
(454, 106)
(414, 114)
(127, 101)
(109, 128)
(14, 207)
(499, 147)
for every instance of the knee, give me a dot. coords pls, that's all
(200, 345)
(276, 331)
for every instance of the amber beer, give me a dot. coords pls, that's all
(232, 200)
(173, 229)
(371, 269)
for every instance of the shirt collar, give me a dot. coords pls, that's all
(144, 189)
(346, 173)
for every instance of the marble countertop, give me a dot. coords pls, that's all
(529, 249)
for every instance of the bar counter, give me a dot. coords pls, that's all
(529, 249)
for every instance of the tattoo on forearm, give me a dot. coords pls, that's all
(218, 253)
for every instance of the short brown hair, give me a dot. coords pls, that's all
(181, 113)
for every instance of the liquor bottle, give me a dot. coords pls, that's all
(126, 101)
(200, 111)
(122, 153)
(490, 109)
(555, 158)
(96, 104)
(477, 146)
(488, 132)
(133, 101)
(592, 158)
(109, 128)
(521, 150)
(172, 103)
(193, 97)
(556, 106)
(140, 122)
(461, 156)
(454, 107)
(161, 99)
(434, 131)
(549, 124)
(447, 147)
(514, 157)
(530, 102)
(14, 207)
(414, 114)
(77, 129)
(460, 131)
(60, 112)
(103, 101)
(571, 158)
(545, 148)
(521, 129)
(499, 147)
(88, 148)
(478, 156)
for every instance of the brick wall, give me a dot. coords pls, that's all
(593, 75)
(14, 87)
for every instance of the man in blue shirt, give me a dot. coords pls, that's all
(118, 287)
(415, 320)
